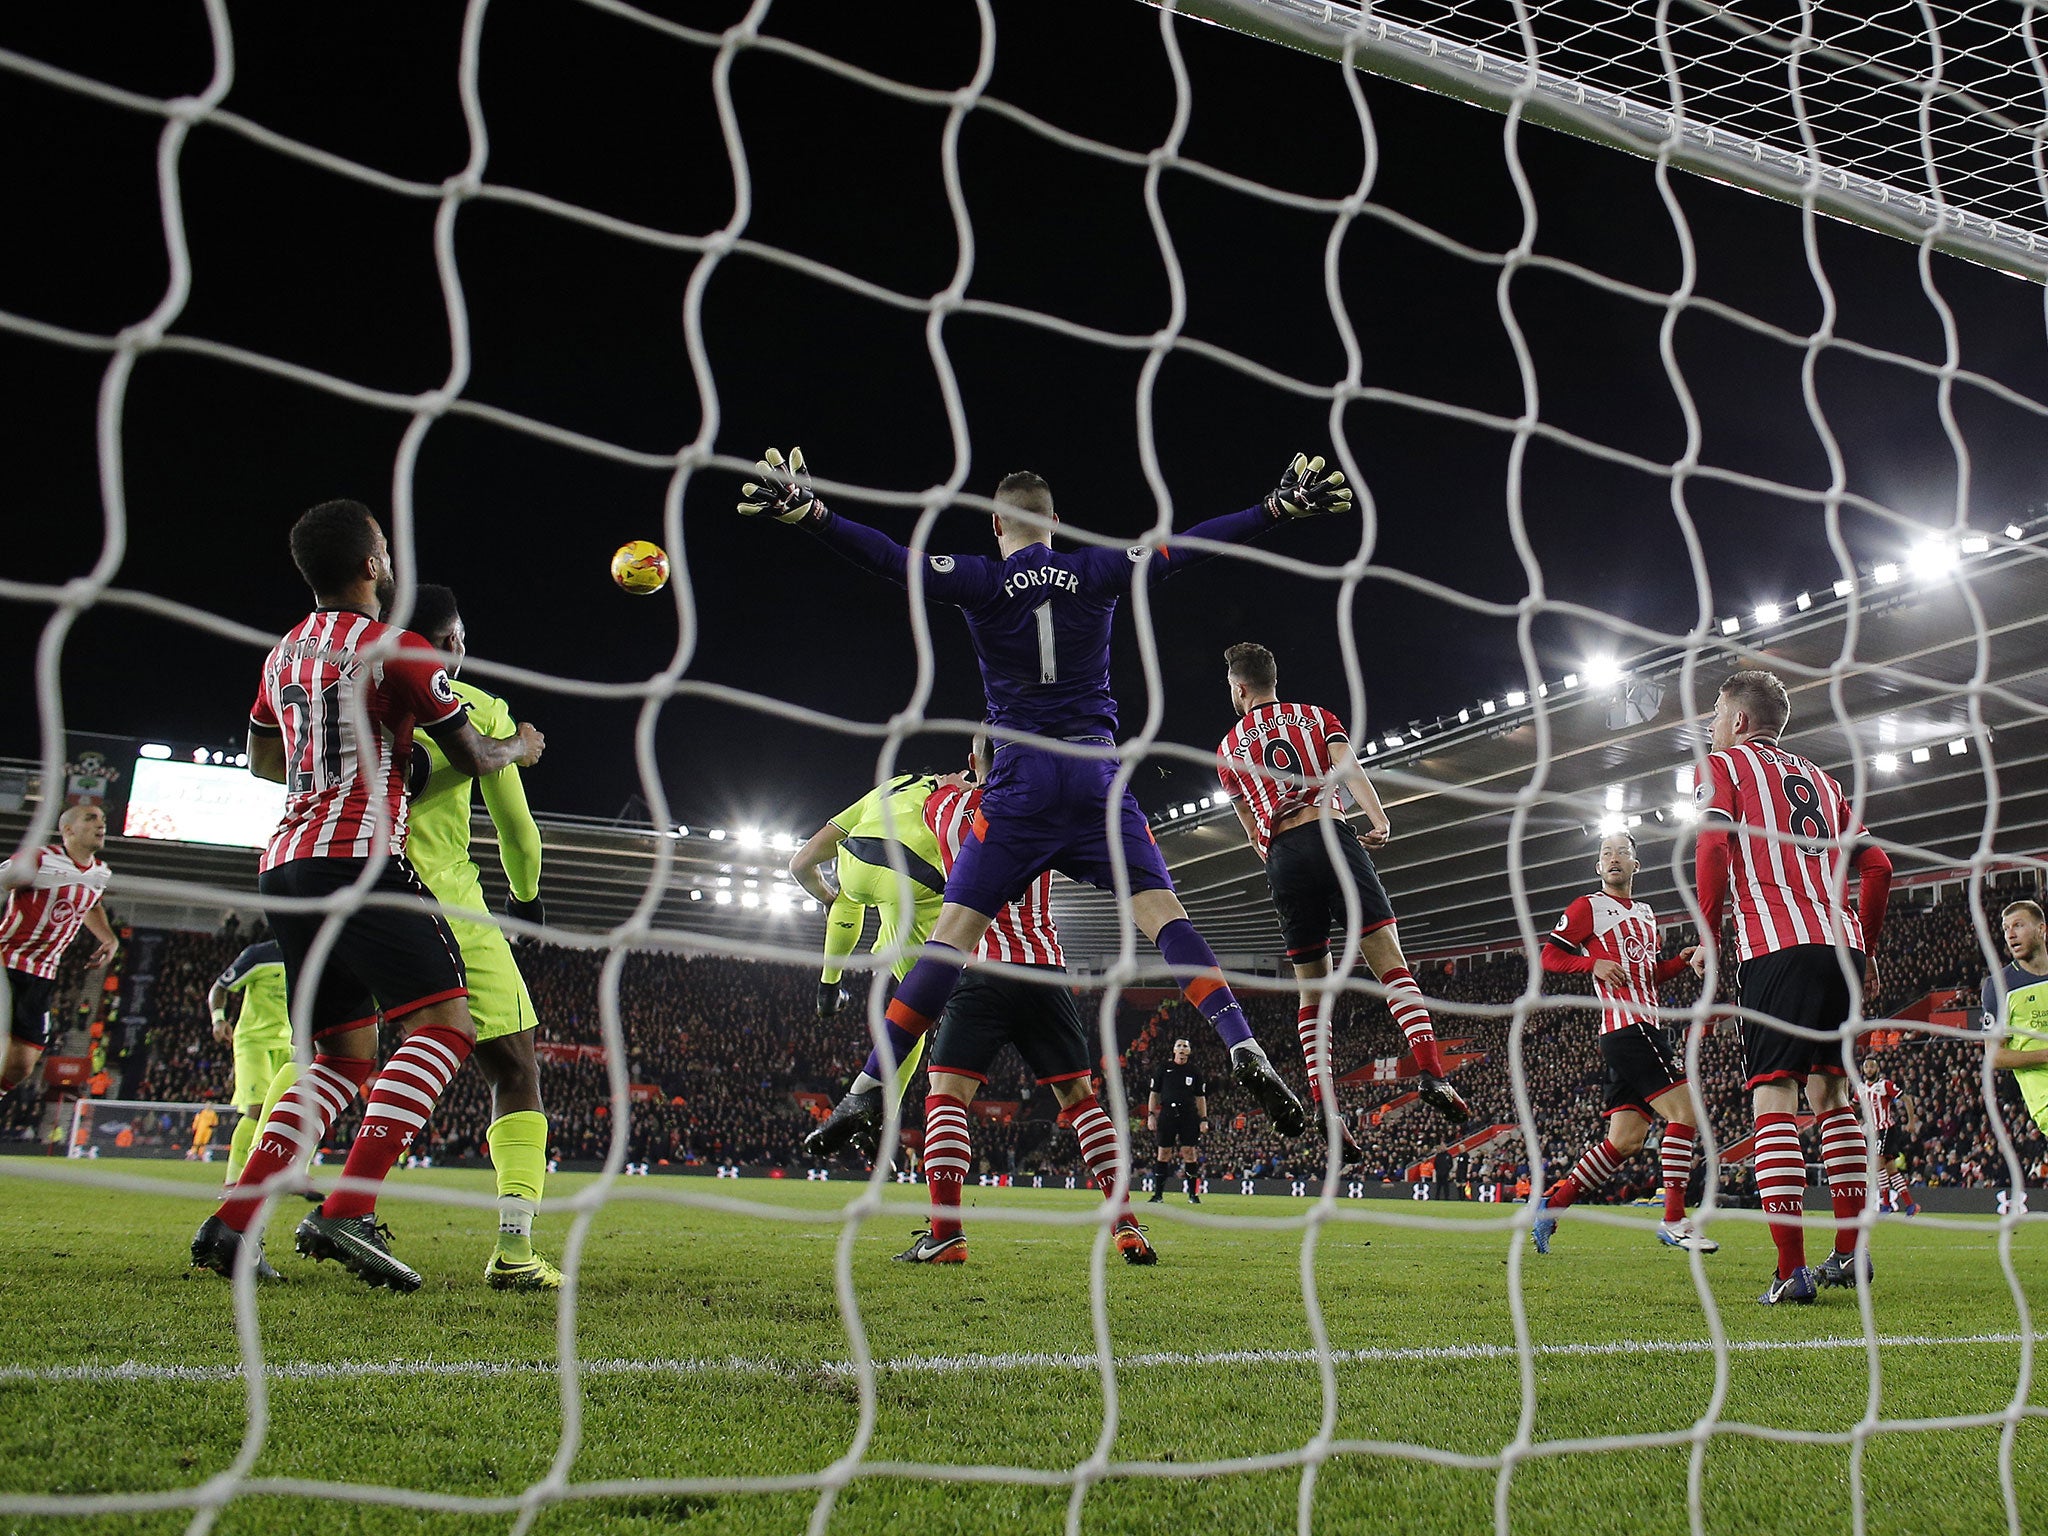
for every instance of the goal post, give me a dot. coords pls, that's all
(1965, 177)
(144, 1128)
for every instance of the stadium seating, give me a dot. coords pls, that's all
(719, 1049)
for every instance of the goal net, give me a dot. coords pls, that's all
(147, 1128)
(1616, 429)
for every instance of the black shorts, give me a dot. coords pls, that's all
(1894, 1143)
(988, 1011)
(1802, 985)
(392, 958)
(1308, 892)
(1640, 1067)
(28, 1007)
(1179, 1126)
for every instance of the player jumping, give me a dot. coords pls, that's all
(1612, 937)
(989, 1010)
(855, 846)
(336, 730)
(1271, 745)
(437, 844)
(1776, 831)
(51, 894)
(1040, 622)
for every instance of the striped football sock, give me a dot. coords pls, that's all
(293, 1128)
(401, 1099)
(1404, 1001)
(1587, 1175)
(1781, 1186)
(1676, 1166)
(947, 1155)
(1846, 1156)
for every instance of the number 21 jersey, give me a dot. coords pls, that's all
(317, 691)
(1784, 884)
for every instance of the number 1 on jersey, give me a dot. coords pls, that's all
(1048, 658)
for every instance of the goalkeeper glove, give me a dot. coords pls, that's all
(1305, 491)
(780, 494)
(527, 911)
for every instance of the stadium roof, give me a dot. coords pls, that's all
(1454, 793)
(1936, 797)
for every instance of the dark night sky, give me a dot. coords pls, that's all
(584, 330)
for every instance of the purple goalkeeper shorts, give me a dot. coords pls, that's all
(1045, 810)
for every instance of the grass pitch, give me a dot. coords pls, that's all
(716, 1350)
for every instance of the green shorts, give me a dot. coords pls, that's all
(257, 1063)
(499, 1004)
(874, 885)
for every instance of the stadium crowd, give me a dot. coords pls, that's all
(719, 1050)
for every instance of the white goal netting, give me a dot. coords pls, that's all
(1923, 121)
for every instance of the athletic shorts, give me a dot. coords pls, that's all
(1179, 1126)
(874, 885)
(1640, 1067)
(1801, 985)
(28, 1007)
(1894, 1143)
(257, 1063)
(499, 1003)
(394, 958)
(1046, 810)
(987, 1012)
(1308, 892)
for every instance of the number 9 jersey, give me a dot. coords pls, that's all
(1792, 831)
(1274, 740)
(318, 691)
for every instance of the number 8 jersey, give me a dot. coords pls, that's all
(1784, 884)
(318, 691)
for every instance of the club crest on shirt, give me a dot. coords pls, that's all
(940, 563)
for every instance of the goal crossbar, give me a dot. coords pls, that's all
(1413, 55)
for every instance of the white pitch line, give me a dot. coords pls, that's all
(943, 1365)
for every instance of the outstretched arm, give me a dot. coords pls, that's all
(784, 494)
(1305, 490)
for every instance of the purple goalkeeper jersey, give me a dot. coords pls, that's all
(1040, 620)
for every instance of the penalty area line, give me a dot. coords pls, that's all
(943, 1365)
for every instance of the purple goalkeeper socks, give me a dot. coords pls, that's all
(1186, 949)
(918, 1003)
(900, 1042)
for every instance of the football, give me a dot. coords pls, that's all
(640, 567)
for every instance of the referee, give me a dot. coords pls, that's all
(1178, 1113)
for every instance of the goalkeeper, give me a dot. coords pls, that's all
(854, 846)
(437, 845)
(1040, 620)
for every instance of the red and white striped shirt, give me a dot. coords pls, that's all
(1883, 1098)
(1023, 933)
(317, 691)
(43, 917)
(1598, 927)
(1274, 739)
(1784, 886)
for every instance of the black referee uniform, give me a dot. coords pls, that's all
(1179, 1087)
